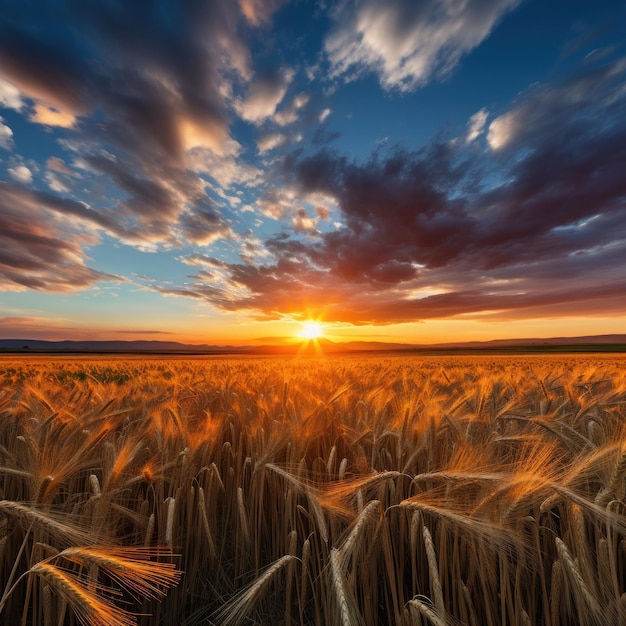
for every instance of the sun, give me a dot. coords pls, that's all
(311, 330)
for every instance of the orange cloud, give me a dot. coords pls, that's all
(257, 12)
(51, 116)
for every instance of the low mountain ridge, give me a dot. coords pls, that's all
(322, 345)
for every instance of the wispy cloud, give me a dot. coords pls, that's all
(58, 329)
(264, 94)
(10, 96)
(258, 12)
(6, 135)
(37, 253)
(408, 43)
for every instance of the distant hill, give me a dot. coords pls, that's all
(37, 345)
(553, 344)
(553, 341)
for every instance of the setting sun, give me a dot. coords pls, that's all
(311, 330)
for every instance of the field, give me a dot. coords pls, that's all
(350, 490)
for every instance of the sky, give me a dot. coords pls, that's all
(400, 170)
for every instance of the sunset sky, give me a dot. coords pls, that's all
(220, 171)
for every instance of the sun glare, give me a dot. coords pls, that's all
(311, 330)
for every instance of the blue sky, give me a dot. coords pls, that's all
(220, 172)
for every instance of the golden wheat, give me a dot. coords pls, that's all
(313, 491)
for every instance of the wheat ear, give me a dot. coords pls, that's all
(346, 611)
(427, 612)
(90, 608)
(131, 567)
(235, 611)
(582, 596)
(349, 545)
(433, 570)
(64, 533)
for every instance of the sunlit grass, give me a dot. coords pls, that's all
(391, 490)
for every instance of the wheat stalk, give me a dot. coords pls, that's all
(306, 555)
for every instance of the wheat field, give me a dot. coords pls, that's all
(326, 491)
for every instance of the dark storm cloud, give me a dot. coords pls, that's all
(541, 204)
(568, 147)
(396, 210)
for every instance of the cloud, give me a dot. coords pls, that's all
(324, 114)
(38, 252)
(6, 136)
(409, 43)
(21, 174)
(33, 62)
(51, 116)
(59, 176)
(450, 231)
(203, 260)
(322, 212)
(264, 94)
(74, 59)
(160, 204)
(278, 202)
(544, 109)
(227, 169)
(504, 129)
(303, 222)
(258, 12)
(204, 226)
(290, 113)
(270, 141)
(69, 213)
(21, 327)
(57, 164)
(55, 183)
(59, 329)
(141, 105)
(476, 125)
(155, 89)
(10, 96)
